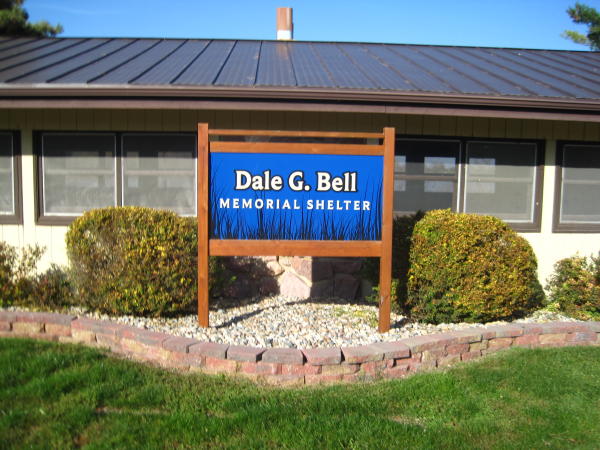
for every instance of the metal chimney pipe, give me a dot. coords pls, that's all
(285, 25)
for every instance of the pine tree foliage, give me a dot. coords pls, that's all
(14, 21)
(583, 14)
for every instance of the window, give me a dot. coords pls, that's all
(426, 175)
(83, 171)
(78, 173)
(499, 178)
(158, 172)
(10, 197)
(577, 205)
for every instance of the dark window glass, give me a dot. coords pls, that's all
(78, 172)
(580, 189)
(426, 173)
(159, 171)
(500, 180)
(7, 176)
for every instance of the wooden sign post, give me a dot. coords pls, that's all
(295, 193)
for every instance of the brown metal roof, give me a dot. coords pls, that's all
(299, 71)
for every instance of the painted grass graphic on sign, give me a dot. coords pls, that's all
(289, 224)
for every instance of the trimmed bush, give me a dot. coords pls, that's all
(401, 238)
(574, 287)
(50, 290)
(17, 269)
(472, 268)
(133, 260)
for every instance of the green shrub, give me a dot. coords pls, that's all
(466, 267)
(17, 269)
(50, 290)
(132, 260)
(574, 287)
(401, 238)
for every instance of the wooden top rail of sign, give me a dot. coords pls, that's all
(292, 147)
(350, 248)
(283, 133)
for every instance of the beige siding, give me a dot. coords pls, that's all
(548, 246)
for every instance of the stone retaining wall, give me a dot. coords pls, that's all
(282, 366)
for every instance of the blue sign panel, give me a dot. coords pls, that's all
(295, 196)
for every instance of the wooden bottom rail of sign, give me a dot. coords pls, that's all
(235, 247)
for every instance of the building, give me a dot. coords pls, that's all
(87, 123)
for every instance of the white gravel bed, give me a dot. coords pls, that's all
(292, 323)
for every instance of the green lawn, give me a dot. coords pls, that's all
(62, 396)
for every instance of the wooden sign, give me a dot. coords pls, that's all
(289, 193)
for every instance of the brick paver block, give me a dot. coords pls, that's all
(554, 338)
(593, 326)
(417, 367)
(43, 337)
(340, 369)
(58, 329)
(132, 346)
(8, 316)
(448, 360)
(433, 355)
(178, 344)
(106, 340)
(44, 317)
(28, 328)
(181, 361)
(217, 365)
(283, 356)
(98, 326)
(152, 338)
(466, 336)
(210, 349)
(468, 356)
(5, 326)
(399, 371)
(143, 336)
(582, 337)
(300, 369)
(457, 349)
(499, 343)
(527, 340)
(531, 328)
(26, 316)
(393, 350)
(59, 319)
(563, 327)
(501, 331)
(83, 323)
(127, 332)
(323, 356)
(85, 336)
(284, 380)
(244, 353)
(261, 368)
(362, 354)
(418, 344)
(477, 346)
(359, 377)
(373, 367)
(322, 379)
